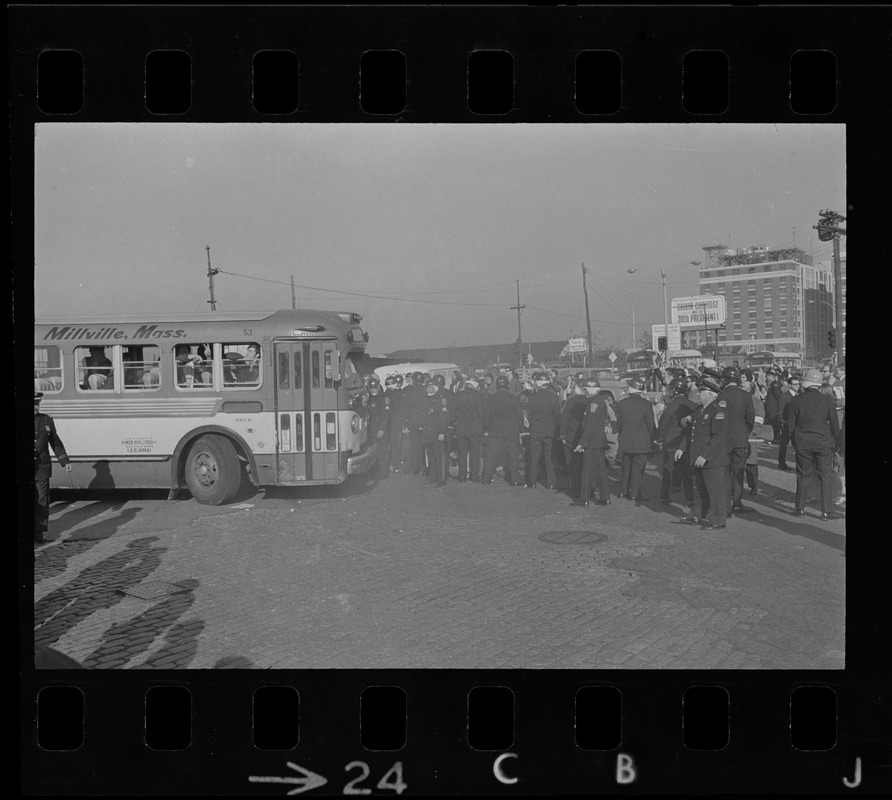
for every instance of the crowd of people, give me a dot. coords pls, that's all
(707, 426)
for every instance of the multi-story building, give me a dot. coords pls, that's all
(776, 300)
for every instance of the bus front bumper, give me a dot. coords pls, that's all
(363, 462)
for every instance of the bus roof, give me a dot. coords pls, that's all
(203, 316)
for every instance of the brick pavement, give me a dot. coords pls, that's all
(405, 575)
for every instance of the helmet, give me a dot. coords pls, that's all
(374, 380)
(636, 384)
(590, 385)
(431, 388)
(417, 377)
(677, 386)
(439, 380)
(540, 379)
(812, 376)
(502, 382)
(710, 384)
(731, 375)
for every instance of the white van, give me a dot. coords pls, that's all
(431, 369)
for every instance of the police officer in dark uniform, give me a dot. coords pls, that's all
(707, 453)
(413, 404)
(435, 422)
(674, 421)
(814, 428)
(570, 431)
(394, 394)
(593, 443)
(544, 415)
(379, 424)
(637, 428)
(45, 437)
(503, 422)
(740, 413)
(468, 424)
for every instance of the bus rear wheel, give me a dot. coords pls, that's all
(213, 471)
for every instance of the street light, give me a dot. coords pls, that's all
(662, 280)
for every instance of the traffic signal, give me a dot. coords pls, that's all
(662, 343)
(831, 338)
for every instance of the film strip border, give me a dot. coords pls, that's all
(388, 64)
(450, 734)
(549, 732)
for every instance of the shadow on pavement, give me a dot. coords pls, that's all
(52, 560)
(70, 518)
(126, 640)
(97, 587)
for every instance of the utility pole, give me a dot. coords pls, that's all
(588, 319)
(293, 302)
(828, 228)
(211, 273)
(634, 343)
(519, 308)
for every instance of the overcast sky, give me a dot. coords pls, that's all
(446, 214)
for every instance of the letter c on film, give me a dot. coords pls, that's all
(497, 768)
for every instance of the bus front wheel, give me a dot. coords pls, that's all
(213, 471)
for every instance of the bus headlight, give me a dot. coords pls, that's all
(354, 424)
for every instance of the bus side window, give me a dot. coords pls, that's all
(142, 367)
(241, 365)
(194, 365)
(47, 369)
(329, 383)
(95, 372)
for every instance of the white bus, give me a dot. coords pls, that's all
(203, 400)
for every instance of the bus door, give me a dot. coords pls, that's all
(306, 411)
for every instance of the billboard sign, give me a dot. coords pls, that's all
(674, 336)
(577, 344)
(703, 311)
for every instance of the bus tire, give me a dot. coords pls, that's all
(213, 471)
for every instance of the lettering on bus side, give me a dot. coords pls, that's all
(143, 332)
(139, 444)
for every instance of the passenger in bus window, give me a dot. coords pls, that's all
(206, 363)
(97, 370)
(232, 361)
(249, 370)
(185, 361)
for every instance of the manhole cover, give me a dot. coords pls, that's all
(152, 590)
(572, 537)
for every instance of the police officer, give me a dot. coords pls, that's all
(544, 415)
(707, 453)
(793, 383)
(570, 431)
(394, 394)
(435, 422)
(379, 424)
(45, 437)
(413, 405)
(814, 428)
(740, 413)
(593, 443)
(637, 428)
(468, 426)
(748, 384)
(503, 422)
(674, 420)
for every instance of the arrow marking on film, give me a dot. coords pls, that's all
(308, 780)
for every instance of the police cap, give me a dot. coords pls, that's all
(709, 372)
(710, 384)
